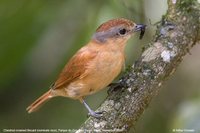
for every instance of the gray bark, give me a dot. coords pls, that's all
(178, 31)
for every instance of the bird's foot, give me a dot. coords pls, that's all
(96, 114)
(114, 87)
(93, 113)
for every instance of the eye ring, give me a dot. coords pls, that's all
(122, 31)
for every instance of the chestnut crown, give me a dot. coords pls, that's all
(115, 28)
(115, 23)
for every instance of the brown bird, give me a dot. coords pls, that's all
(95, 65)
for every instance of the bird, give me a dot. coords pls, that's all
(94, 66)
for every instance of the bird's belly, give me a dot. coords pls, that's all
(102, 73)
(105, 74)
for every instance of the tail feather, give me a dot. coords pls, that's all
(40, 101)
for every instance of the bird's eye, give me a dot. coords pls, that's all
(122, 31)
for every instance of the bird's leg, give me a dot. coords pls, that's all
(91, 112)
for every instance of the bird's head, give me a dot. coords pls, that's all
(117, 30)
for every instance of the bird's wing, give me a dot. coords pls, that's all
(76, 68)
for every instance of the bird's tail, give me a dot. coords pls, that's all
(40, 101)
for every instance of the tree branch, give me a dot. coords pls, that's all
(177, 32)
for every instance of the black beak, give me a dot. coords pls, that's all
(140, 27)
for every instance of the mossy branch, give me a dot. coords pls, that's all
(178, 31)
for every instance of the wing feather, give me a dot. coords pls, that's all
(76, 68)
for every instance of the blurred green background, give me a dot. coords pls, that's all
(37, 38)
